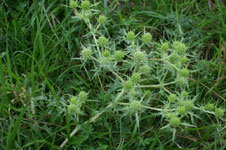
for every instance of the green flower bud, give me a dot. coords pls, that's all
(136, 77)
(147, 37)
(185, 94)
(82, 96)
(181, 110)
(184, 60)
(175, 121)
(72, 108)
(73, 100)
(138, 56)
(180, 48)
(102, 19)
(85, 5)
(118, 55)
(184, 72)
(106, 53)
(130, 36)
(135, 105)
(73, 4)
(219, 112)
(210, 107)
(172, 98)
(86, 53)
(164, 47)
(102, 41)
(128, 85)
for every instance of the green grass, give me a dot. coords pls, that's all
(37, 73)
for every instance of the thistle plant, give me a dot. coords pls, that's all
(158, 67)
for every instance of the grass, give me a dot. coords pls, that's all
(37, 73)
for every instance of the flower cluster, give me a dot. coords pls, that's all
(135, 64)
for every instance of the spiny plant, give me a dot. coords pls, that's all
(145, 76)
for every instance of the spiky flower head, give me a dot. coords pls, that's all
(102, 41)
(172, 98)
(135, 106)
(210, 106)
(106, 53)
(102, 19)
(184, 72)
(175, 121)
(181, 81)
(85, 5)
(138, 56)
(180, 48)
(185, 93)
(82, 96)
(73, 4)
(219, 112)
(181, 110)
(184, 60)
(72, 108)
(128, 85)
(136, 77)
(119, 55)
(164, 46)
(73, 100)
(86, 53)
(147, 37)
(130, 36)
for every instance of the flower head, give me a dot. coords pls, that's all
(86, 53)
(181, 110)
(184, 72)
(164, 47)
(180, 48)
(128, 85)
(172, 98)
(219, 112)
(73, 4)
(102, 19)
(147, 37)
(102, 41)
(106, 53)
(130, 36)
(118, 55)
(135, 105)
(138, 56)
(85, 5)
(175, 121)
(210, 106)
(184, 60)
(136, 77)
(82, 96)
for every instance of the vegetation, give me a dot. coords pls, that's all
(112, 74)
